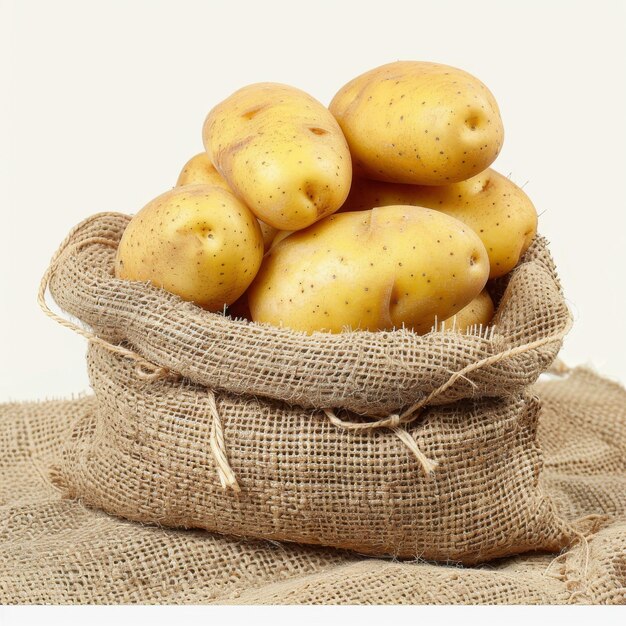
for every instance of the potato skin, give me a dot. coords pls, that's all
(280, 235)
(419, 123)
(370, 270)
(197, 241)
(199, 169)
(478, 312)
(282, 153)
(499, 211)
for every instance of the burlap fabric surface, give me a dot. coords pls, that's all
(153, 451)
(369, 373)
(145, 454)
(56, 550)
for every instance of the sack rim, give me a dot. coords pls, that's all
(218, 333)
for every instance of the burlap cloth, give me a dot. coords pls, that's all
(257, 431)
(146, 455)
(54, 550)
(371, 374)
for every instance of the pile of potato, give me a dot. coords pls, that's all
(376, 213)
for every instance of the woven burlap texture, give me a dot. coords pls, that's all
(369, 373)
(54, 550)
(240, 406)
(145, 455)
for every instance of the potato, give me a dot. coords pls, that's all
(419, 123)
(197, 241)
(500, 213)
(268, 233)
(281, 152)
(477, 313)
(199, 169)
(370, 270)
(280, 235)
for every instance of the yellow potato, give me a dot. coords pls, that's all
(199, 169)
(268, 233)
(197, 241)
(500, 213)
(419, 123)
(280, 235)
(370, 270)
(477, 313)
(281, 152)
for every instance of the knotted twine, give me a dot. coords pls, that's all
(150, 372)
(395, 420)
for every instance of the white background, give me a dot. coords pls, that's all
(102, 103)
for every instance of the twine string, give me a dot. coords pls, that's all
(395, 421)
(145, 369)
(218, 447)
(427, 465)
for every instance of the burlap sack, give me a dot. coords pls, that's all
(55, 550)
(146, 455)
(214, 401)
(368, 373)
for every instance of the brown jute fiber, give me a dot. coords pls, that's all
(55, 550)
(373, 374)
(191, 403)
(145, 455)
